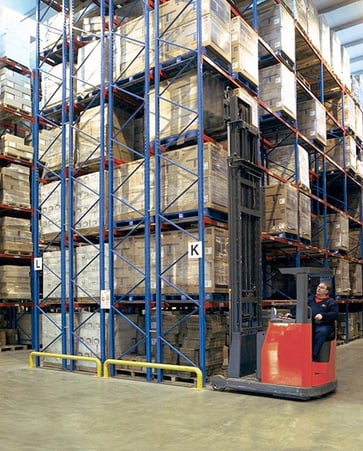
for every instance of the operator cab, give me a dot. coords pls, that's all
(284, 363)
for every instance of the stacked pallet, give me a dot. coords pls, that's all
(216, 332)
(16, 156)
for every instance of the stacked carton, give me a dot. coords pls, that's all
(15, 236)
(290, 163)
(280, 209)
(335, 53)
(324, 41)
(14, 282)
(50, 203)
(178, 26)
(178, 269)
(88, 270)
(129, 189)
(341, 276)
(311, 120)
(87, 202)
(180, 168)
(15, 90)
(277, 28)
(356, 279)
(181, 271)
(342, 110)
(355, 243)
(345, 154)
(89, 134)
(13, 29)
(304, 216)
(278, 89)
(178, 102)
(52, 83)
(353, 321)
(50, 147)
(14, 146)
(132, 49)
(244, 42)
(337, 231)
(129, 271)
(89, 74)
(216, 330)
(14, 186)
(52, 275)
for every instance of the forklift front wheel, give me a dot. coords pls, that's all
(218, 383)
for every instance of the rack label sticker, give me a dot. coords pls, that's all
(195, 249)
(105, 299)
(38, 263)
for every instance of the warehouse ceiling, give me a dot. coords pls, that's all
(345, 17)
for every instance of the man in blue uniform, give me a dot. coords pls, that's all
(324, 312)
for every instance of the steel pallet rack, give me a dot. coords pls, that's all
(140, 91)
(14, 122)
(71, 305)
(333, 179)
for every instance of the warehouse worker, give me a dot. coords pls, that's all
(324, 311)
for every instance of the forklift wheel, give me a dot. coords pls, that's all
(218, 383)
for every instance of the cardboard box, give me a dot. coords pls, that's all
(278, 89)
(283, 161)
(311, 120)
(280, 209)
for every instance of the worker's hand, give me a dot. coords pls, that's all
(318, 317)
(287, 315)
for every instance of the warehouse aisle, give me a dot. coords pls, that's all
(52, 410)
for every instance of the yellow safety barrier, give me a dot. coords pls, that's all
(161, 366)
(66, 357)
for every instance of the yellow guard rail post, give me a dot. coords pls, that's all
(66, 357)
(161, 366)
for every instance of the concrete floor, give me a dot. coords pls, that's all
(52, 410)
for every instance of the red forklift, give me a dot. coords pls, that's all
(278, 361)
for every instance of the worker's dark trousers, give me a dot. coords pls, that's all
(321, 331)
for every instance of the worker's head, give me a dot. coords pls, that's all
(322, 289)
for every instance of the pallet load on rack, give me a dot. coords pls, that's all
(89, 134)
(311, 120)
(280, 209)
(278, 90)
(15, 236)
(14, 146)
(340, 269)
(244, 51)
(343, 151)
(337, 233)
(356, 279)
(354, 322)
(50, 149)
(14, 282)
(178, 28)
(14, 30)
(216, 332)
(277, 29)
(179, 107)
(179, 170)
(14, 186)
(284, 160)
(178, 270)
(50, 204)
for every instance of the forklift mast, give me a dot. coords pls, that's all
(245, 213)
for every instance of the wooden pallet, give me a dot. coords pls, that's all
(13, 348)
(19, 154)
